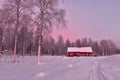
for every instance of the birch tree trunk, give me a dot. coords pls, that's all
(23, 50)
(40, 42)
(15, 46)
(39, 51)
(16, 30)
(40, 34)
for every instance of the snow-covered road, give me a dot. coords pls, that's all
(61, 68)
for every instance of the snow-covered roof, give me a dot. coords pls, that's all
(81, 49)
(73, 49)
(86, 49)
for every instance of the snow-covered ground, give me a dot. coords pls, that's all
(61, 68)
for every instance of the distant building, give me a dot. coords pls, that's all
(83, 51)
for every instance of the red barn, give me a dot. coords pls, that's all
(83, 51)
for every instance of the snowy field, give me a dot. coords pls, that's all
(61, 68)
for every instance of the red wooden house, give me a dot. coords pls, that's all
(83, 51)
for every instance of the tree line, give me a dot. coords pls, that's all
(59, 47)
(28, 42)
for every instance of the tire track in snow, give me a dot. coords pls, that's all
(95, 71)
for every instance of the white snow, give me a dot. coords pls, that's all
(60, 68)
(41, 74)
(73, 49)
(81, 49)
(70, 65)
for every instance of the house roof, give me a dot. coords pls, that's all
(81, 49)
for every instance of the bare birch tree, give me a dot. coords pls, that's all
(47, 14)
(16, 8)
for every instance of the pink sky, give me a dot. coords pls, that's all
(93, 19)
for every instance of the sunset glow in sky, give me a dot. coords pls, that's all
(96, 19)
